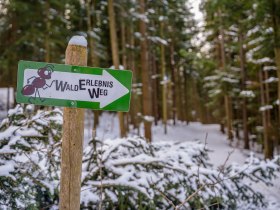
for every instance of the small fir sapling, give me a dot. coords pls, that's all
(121, 173)
(29, 158)
(166, 175)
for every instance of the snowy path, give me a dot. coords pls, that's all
(219, 145)
(216, 142)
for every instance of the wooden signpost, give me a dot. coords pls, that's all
(73, 86)
(72, 141)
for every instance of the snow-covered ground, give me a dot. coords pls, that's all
(3, 100)
(215, 140)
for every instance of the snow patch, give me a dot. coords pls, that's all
(270, 80)
(247, 94)
(266, 107)
(78, 40)
(269, 68)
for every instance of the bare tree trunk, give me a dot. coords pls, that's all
(47, 35)
(267, 97)
(229, 116)
(131, 59)
(196, 101)
(179, 93)
(268, 118)
(115, 54)
(268, 149)
(154, 86)
(174, 81)
(123, 41)
(218, 56)
(227, 99)
(186, 99)
(276, 29)
(89, 32)
(146, 89)
(277, 60)
(237, 116)
(164, 81)
(92, 57)
(124, 59)
(243, 87)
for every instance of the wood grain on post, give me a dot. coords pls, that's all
(72, 138)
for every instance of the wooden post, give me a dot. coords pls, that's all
(73, 135)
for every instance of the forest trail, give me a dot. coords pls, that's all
(216, 142)
(194, 131)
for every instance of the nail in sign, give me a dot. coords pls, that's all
(73, 86)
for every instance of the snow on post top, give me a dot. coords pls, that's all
(78, 40)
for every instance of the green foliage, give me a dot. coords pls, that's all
(29, 158)
(133, 174)
(129, 173)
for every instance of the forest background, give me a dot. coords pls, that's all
(230, 77)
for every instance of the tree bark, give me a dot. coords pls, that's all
(92, 58)
(115, 54)
(243, 87)
(164, 81)
(154, 86)
(48, 29)
(146, 89)
(226, 97)
(276, 29)
(131, 62)
(174, 82)
(268, 148)
(179, 93)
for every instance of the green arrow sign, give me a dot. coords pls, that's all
(73, 86)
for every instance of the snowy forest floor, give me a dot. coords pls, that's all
(216, 142)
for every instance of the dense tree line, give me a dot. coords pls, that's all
(243, 49)
(231, 79)
(153, 39)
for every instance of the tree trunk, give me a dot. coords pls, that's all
(154, 86)
(186, 99)
(92, 57)
(124, 59)
(47, 35)
(276, 29)
(277, 60)
(146, 89)
(131, 62)
(115, 54)
(268, 118)
(164, 81)
(243, 87)
(179, 93)
(229, 117)
(226, 97)
(268, 148)
(174, 82)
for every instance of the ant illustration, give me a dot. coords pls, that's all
(44, 73)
